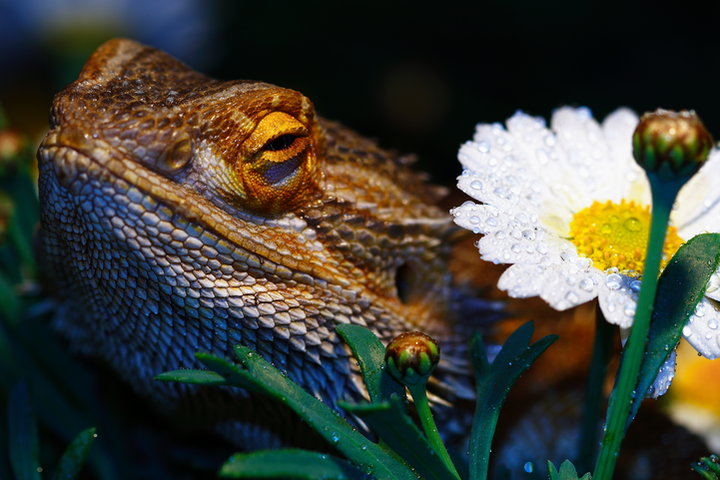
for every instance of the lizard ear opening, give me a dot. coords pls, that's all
(279, 164)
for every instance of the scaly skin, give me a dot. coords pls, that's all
(184, 214)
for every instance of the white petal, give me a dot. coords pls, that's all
(625, 178)
(562, 285)
(479, 218)
(698, 206)
(703, 329)
(582, 147)
(664, 377)
(523, 280)
(618, 298)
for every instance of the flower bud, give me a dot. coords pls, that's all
(673, 145)
(411, 357)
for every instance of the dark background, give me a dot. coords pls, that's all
(417, 77)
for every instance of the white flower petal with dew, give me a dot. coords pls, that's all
(531, 180)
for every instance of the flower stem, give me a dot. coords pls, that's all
(587, 447)
(422, 407)
(663, 196)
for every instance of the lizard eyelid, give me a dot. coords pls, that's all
(281, 142)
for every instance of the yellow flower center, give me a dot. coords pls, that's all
(616, 235)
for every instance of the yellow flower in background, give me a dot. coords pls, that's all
(569, 209)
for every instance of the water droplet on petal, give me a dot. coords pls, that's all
(587, 284)
(571, 297)
(476, 185)
(613, 281)
(483, 146)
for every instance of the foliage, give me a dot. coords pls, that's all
(24, 447)
(567, 472)
(708, 467)
(404, 452)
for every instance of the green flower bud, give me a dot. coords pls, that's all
(672, 145)
(411, 357)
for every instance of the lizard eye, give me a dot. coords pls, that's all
(279, 163)
(280, 143)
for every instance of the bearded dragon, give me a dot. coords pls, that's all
(182, 213)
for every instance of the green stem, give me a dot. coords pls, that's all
(587, 447)
(422, 406)
(663, 196)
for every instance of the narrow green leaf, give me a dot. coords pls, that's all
(708, 467)
(493, 383)
(567, 472)
(265, 378)
(680, 288)
(22, 428)
(75, 455)
(255, 373)
(9, 301)
(514, 345)
(196, 377)
(370, 354)
(389, 420)
(290, 464)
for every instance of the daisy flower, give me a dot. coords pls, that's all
(569, 209)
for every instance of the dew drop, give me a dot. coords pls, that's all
(687, 332)
(713, 324)
(529, 467)
(529, 234)
(483, 146)
(587, 284)
(492, 221)
(571, 297)
(632, 224)
(476, 185)
(474, 219)
(613, 281)
(516, 248)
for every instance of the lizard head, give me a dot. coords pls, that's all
(182, 213)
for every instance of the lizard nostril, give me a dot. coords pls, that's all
(404, 282)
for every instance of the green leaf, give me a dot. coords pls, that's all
(22, 428)
(196, 377)
(370, 354)
(708, 467)
(75, 455)
(493, 383)
(265, 378)
(256, 374)
(389, 420)
(291, 464)
(10, 304)
(680, 288)
(567, 472)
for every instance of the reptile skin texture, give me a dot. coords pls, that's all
(183, 214)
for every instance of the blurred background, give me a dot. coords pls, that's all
(417, 78)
